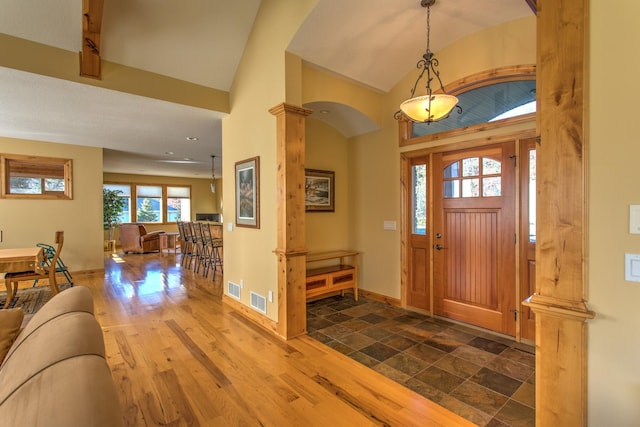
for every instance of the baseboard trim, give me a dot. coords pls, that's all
(380, 298)
(253, 316)
(86, 272)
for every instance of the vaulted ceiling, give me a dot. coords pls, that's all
(374, 42)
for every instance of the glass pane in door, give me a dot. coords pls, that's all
(532, 195)
(419, 185)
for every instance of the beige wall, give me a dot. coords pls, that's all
(28, 222)
(249, 131)
(327, 149)
(319, 85)
(511, 43)
(614, 339)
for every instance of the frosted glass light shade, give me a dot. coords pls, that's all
(428, 108)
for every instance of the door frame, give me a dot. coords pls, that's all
(405, 192)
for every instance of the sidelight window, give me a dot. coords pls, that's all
(419, 185)
(532, 195)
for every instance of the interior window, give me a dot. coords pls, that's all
(36, 177)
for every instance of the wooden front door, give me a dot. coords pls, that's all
(474, 236)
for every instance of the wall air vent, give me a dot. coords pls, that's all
(259, 302)
(233, 289)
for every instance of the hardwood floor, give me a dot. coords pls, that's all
(180, 357)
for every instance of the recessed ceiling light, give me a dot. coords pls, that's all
(169, 153)
(188, 159)
(324, 111)
(192, 138)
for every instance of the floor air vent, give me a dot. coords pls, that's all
(259, 302)
(233, 289)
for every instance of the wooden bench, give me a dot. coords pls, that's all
(329, 273)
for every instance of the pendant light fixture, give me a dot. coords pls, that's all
(213, 175)
(431, 107)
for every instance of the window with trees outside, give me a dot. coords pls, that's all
(124, 192)
(419, 185)
(149, 203)
(154, 203)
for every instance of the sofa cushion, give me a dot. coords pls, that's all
(10, 323)
(71, 335)
(75, 299)
(76, 392)
(55, 374)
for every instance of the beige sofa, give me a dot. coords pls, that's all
(55, 373)
(135, 238)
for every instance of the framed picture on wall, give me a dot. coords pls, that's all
(319, 190)
(248, 193)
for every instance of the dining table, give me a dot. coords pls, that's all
(20, 259)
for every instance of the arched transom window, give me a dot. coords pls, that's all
(489, 100)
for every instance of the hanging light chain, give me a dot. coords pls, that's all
(430, 107)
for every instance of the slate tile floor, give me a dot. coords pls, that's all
(484, 378)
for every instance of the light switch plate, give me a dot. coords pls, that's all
(632, 267)
(634, 219)
(389, 225)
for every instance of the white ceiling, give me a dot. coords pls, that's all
(374, 42)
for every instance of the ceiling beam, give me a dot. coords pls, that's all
(91, 27)
(533, 5)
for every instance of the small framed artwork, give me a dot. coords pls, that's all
(248, 193)
(319, 190)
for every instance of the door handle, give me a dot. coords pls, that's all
(439, 247)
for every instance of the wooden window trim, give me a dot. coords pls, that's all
(5, 170)
(474, 81)
(134, 196)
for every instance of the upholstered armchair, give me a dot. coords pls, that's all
(135, 238)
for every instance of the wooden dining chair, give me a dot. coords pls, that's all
(12, 279)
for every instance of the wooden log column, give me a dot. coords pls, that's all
(292, 240)
(560, 301)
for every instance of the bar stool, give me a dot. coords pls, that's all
(189, 244)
